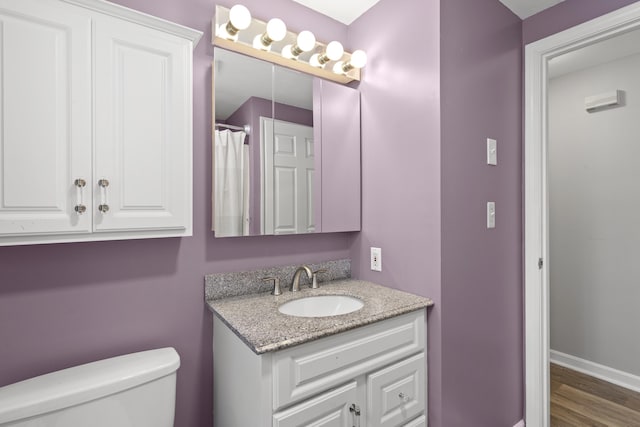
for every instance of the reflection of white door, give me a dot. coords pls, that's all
(287, 177)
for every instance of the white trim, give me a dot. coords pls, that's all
(536, 290)
(141, 18)
(605, 373)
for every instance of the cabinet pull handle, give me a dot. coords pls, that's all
(355, 412)
(103, 206)
(404, 397)
(80, 208)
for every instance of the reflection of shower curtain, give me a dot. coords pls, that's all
(231, 180)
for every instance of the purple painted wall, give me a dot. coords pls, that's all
(565, 15)
(400, 114)
(482, 342)
(62, 305)
(250, 113)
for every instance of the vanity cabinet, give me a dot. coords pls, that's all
(96, 119)
(374, 375)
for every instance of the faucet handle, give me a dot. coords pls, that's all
(276, 285)
(314, 281)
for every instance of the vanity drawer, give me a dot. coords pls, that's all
(328, 409)
(396, 394)
(302, 371)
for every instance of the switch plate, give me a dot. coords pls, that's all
(492, 152)
(491, 214)
(376, 259)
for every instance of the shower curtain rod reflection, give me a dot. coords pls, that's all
(245, 128)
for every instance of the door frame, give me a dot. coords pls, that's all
(536, 230)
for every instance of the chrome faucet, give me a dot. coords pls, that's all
(295, 284)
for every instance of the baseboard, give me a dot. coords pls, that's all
(520, 424)
(614, 376)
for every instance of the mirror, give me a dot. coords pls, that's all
(274, 138)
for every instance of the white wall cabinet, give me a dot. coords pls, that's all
(374, 375)
(93, 93)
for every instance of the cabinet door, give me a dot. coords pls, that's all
(338, 151)
(45, 119)
(142, 129)
(327, 410)
(396, 394)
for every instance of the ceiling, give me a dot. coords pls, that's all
(526, 8)
(347, 11)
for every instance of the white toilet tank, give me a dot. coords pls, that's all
(134, 390)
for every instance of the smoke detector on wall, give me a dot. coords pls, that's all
(603, 101)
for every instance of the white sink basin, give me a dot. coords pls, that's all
(321, 306)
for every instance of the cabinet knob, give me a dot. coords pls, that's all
(80, 209)
(103, 183)
(104, 208)
(404, 397)
(79, 182)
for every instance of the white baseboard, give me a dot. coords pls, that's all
(614, 376)
(520, 424)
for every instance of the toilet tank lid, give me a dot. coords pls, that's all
(79, 384)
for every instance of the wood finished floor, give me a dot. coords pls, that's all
(578, 400)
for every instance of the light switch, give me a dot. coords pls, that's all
(491, 214)
(492, 152)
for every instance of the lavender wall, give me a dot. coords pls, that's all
(61, 305)
(565, 15)
(400, 114)
(250, 113)
(481, 269)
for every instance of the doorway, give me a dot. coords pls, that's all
(538, 56)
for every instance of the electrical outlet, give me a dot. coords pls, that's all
(376, 259)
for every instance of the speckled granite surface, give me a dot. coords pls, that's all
(225, 285)
(257, 321)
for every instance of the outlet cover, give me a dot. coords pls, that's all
(376, 259)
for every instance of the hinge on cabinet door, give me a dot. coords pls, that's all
(540, 263)
(355, 410)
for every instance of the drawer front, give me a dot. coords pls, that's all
(421, 421)
(396, 394)
(327, 410)
(308, 369)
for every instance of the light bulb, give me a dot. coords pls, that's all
(287, 52)
(358, 59)
(306, 41)
(314, 61)
(334, 51)
(276, 29)
(338, 68)
(240, 17)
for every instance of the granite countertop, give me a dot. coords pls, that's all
(256, 320)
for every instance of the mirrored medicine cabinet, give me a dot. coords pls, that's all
(286, 150)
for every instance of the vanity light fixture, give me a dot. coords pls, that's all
(276, 31)
(358, 60)
(305, 42)
(236, 30)
(239, 19)
(333, 52)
